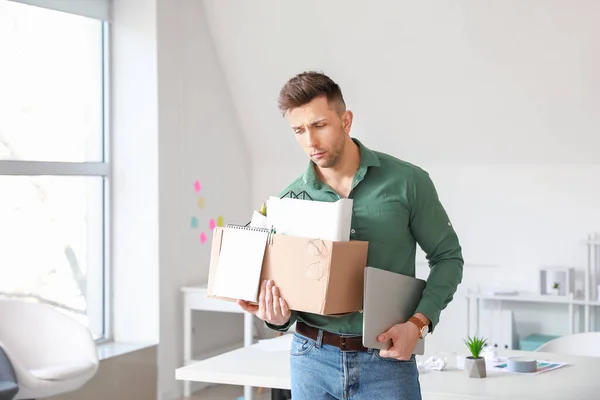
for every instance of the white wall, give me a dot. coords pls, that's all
(134, 152)
(199, 139)
(462, 82)
(173, 123)
(513, 220)
(498, 100)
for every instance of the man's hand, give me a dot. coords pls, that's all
(271, 307)
(404, 339)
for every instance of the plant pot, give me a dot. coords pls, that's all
(475, 367)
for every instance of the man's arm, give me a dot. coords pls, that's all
(433, 231)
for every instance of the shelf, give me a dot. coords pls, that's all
(589, 303)
(533, 298)
(585, 303)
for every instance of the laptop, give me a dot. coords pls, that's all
(389, 299)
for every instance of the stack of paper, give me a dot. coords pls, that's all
(311, 219)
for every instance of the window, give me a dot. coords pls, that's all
(54, 170)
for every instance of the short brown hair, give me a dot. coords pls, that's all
(305, 87)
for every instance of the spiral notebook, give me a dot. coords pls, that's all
(240, 262)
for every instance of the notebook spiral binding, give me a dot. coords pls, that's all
(247, 228)
(270, 232)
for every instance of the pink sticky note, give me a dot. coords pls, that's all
(202, 238)
(212, 224)
(197, 186)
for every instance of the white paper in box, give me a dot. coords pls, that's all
(311, 219)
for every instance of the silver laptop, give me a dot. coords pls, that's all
(389, 299)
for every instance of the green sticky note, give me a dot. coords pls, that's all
(219, 221)
(194, 222)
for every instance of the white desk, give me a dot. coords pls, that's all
(254, 366)
(195, 299)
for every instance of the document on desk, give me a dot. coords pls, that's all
(542, 366)
(240, 263)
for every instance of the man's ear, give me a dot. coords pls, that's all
(347, 121)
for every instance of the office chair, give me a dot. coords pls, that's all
(8, 379)
(50, 352)
(579, 344)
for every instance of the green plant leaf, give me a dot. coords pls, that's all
(475, 345)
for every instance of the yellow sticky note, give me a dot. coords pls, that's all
(201, 202)
(219, 221)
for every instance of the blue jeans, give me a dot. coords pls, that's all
(320, 372)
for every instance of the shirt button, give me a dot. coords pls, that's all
(352, 231)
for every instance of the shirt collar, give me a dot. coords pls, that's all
(368, 158)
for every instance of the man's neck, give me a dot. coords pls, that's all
(345, 168)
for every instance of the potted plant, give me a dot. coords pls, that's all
(475, 363)
(555, 288)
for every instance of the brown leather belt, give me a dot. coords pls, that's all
(345, 343)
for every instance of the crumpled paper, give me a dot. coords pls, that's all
(432, 364)
(490, 354)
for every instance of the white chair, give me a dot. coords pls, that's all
(51, 353)
(579, 344)
(8, 379)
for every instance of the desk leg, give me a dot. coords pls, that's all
(248, 329)
(248, 341)
(187, 345)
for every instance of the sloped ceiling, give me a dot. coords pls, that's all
(430, 81)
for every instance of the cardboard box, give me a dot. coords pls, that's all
(317, 276)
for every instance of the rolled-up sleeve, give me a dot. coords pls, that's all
(433, 231)
(285, 327)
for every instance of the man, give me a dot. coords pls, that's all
(395, 207)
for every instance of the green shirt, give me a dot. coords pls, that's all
(395, 206)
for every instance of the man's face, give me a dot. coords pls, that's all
(320, 130)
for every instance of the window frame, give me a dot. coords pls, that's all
(101, 169)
